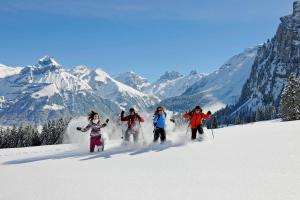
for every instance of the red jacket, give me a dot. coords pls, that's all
(196, 119)
(132, 119)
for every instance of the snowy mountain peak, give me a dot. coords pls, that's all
(215, 90)
(173, 84)
(193, 72)
(169, 75)
(81, 71)
(133, 80)
(235, 62)
(80, 68)
(47, 61)
(130, 74)
(101, 75)
(1, 65)
(8, 71)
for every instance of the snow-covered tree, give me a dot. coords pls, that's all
(290, 100)
(53, 132)
(25, 136)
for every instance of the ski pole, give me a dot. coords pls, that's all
(142, 132)
(187, 130)
(212, 132)
(122, 137)
(122, 128)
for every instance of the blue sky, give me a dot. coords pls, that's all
(148, 37)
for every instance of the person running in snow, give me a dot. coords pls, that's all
(196, 120)
(95, 126)
(213, 123)
(134, 126)
(159, 122)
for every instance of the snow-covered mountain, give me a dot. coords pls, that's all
(275, 61)
(173, 84)
(8, 71)
(109, 88)
(219, 88)
(133, 80)
(45, 91)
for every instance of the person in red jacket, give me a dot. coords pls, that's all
(196, 117)
(134, 126)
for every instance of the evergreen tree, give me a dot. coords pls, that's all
(53, 132)
(45, 134)
(13, 137)
(290, 100)
(35, 138)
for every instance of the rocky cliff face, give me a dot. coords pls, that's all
(275, 61)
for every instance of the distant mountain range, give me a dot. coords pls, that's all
(248, 80)
(46, 90)
(217, 89)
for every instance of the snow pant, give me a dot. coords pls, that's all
(135, 134)
(160, 132)
(95, 141)
(195, 130)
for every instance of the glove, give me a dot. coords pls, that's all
(209, 113)
(107, 120)
(122, 113)
(78, 128)
(154, 124)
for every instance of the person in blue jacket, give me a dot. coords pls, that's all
(159, 122)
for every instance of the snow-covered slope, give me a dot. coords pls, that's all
(219, 88)
(173, 84)
(109, 88)
(8, 71)
(45, 91)
(133, 80)
(258, 161)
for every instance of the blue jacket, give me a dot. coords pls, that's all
(160, 120)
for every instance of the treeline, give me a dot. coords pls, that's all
(288, 109)
(25, 136)
(229, 115)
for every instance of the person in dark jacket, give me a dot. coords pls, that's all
(159, 122)
(196, 120)
(95, 134)
(133, 121)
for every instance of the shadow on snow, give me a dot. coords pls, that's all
(131, 150)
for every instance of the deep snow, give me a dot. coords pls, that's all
(254, 161)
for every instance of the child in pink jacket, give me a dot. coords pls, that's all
(95, 126)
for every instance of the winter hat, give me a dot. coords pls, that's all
(198, 108)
